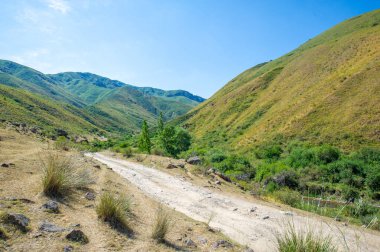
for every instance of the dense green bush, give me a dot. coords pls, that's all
(269, 151)
(373, 178)
(174, 140)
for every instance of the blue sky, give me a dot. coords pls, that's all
(196, 45)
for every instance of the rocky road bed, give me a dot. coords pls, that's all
(247, 222)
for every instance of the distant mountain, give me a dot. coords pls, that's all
(325, 91)
(83, 102)
(99, 91)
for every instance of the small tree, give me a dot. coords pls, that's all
(160, 124)
(174, 140)
(144, 140)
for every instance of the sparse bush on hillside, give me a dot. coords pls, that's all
(292, 240)
(62, 143)
(114, 210)
(161, 224)
(60, 175)
(289, 197)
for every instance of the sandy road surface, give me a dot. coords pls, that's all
(248, 223)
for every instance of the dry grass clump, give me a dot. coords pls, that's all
(114, 210)
(3, 234)
(292, 240)
(161, 225)
(60, 175)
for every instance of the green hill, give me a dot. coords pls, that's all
(94, 103)
(325, 91)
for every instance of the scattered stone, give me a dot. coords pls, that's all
(76, 225)
(222, 243)
(18, 220)
(97, 166)
(202, 240)
(68, 248)
(222, 176)
(288, 213)
(235, 209)
(11, 164)
(5, 165)
(51, 206)
(77, 236)
(89, 206)
(171, 166)
(266, 217)
(181, 165)
(38, 234)
(249, 250)
(194, 160)
(210, 171)
(50, 227)
(253, 209)
(190, 243)
(90, 196)
(218, 182)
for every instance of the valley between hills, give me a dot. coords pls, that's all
(284, 157)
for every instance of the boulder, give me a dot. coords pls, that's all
(171, 166)
(18, 220)
(5, 165)
(51, 206)
(50, 227)
(68, 248)
(77, 235)
(181, 165)
(222, 243)
(194, 160)
(90, 196)
(202, 240)
(190, 243)
(218, 182)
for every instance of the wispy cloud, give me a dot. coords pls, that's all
(59, 5)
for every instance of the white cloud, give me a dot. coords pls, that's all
(59, 5)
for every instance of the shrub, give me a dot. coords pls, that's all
(235, 163)
(127, 152)
(373, 178)
(289, 197)
(3, 234)
(270, 151)
(326, 154)
(369, 155)
(350, 194)
(266, 170)
(174, 140)
(114, 210)
(286, 178)
(301, 157)
(62, 143)
(292, 240)
(161, 225)
(60, 175)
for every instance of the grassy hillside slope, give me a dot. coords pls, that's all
(327, 90)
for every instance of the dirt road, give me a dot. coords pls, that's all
(247, 222)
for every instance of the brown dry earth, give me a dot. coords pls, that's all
(20, 192)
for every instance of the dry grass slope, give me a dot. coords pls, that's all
(327, 90)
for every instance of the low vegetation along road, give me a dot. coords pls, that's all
(249, 223)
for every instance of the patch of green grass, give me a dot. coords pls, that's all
(292, 240)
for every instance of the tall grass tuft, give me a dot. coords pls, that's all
(292, 240)
(114, 210)
(161, 225)
(60, 175)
